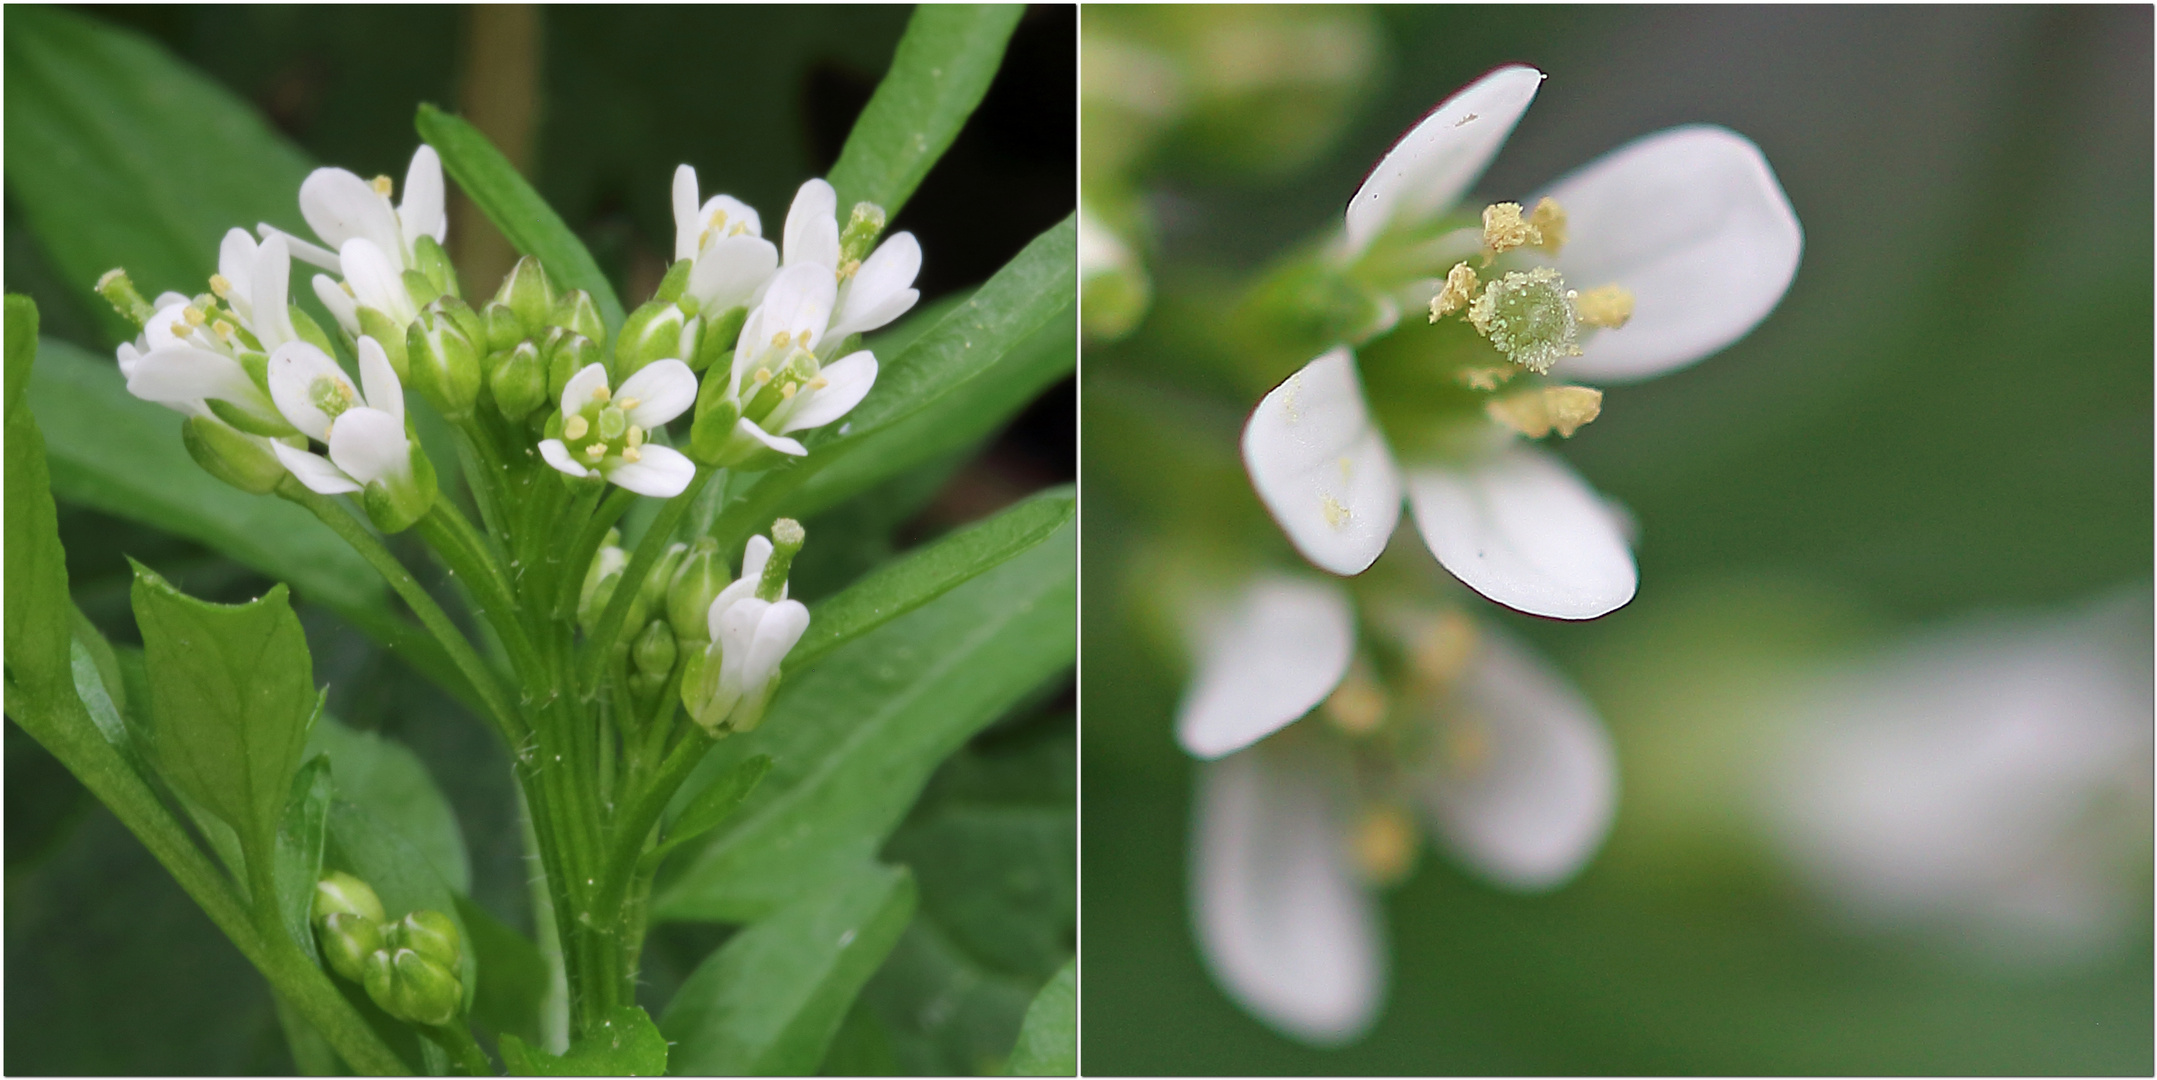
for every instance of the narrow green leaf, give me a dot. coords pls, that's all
(392, 784)
(930, 571)
(121, 154)
(36, 593)
(515, 208)
(854, 739)
(300, 838)
(1048, 1043)
(627, 1044)
(512, 975)
(770, 999)
(235, 691)
(938, 75)
(714, 804)
(361, 845)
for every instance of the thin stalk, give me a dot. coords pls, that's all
(580, 554)
(456, 1040)
(461, 546)
(648, 549)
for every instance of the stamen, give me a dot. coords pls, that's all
(596, 451)
(1357, 706)
(786, 393)
(780, 340)
(819, 383)
(1459, 290)
(1571, 407)
(634, 438)
(575, 427)
(851, 267)
(762, 376)
(382, 186)
(1609, 306)
(193, 315)
(1528, 316)
(180, 328)
(223, 329)
(1486, 378)
(601, 393)
(1385, 844)
(347, 287)
(1442, 651)
(1504, 230)
(628, 403)
(1336, 514)
(1549, 220)
(718, 220)
(1523, 412)
(802, 339)
(631, 454)
(221, 285)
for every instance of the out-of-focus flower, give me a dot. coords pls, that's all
(1990, 783)
(1502, 761)
(1683, 241)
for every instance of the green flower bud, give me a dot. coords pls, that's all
(715, 343)
(654, 651)
(341, 892)
(309, 330)
(432, 935)
(469, 323)
(229, 455)
(577, 311)
(677, 279)
(347, 941)
(711, 437)
(412, 987)
(504, 328)
(432, 261)
(119, 290)
(528, 292)
(862, 229)
(386, 333)
(566, 352)
(652, 595)
(445, 366)
(395, 503)
(696, 583)
(422, 291)
(600, 581)
(652, 332)
(519, 381)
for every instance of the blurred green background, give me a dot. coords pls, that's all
(110, 968)
(1949, 414)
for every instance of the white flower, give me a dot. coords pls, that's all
(1684, 240)
(726, 238)
(196, 360)
(1507, 767)
(364, 432)
(729, 684)
(340, 207)
(605, 434)
(1990, 783)
(776, 379)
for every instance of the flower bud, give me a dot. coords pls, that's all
(389, 334)
(677, 279)
(444, 365)
(347, 941)
(711, 437)
(432, 935)
(422, 291)
(239, 459)
(519, 381)
(504, 328)
(696, 583)
(469, 323)
(394, 503)
(862, 229)
(338, 891)
(412, 987)
(652, 332)
(566, 352)
(652, 595)
(577, 312)
(600, 581)
(528, 292)
(119, 290)
(433, 263)
(654, 651)
(715, 343)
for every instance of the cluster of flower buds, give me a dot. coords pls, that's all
(408, 966)
(748, 628)
(535, 336)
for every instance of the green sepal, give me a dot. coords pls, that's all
(700, 681)
(386, 333)
(445, 367)
(394, 507)
(342, 893)
(503, 328)
(652, 332)
(247, 421)
(422, 291)
(347, 940)
(567, 354)
(433, 935)
(696, 583)
(528, 292)
(652, 594)
(671, 286)
(715, 343)
(713, 430)
(519, 381)
(309, 330)
(432, 261)
(231, 456)
(655, 650)
(578, 312)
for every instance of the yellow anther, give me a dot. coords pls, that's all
(1336, 514)
(1459, 289)
(1571, 407)
(1442, 649)
(819, 383)
(781, 339)
(762, 376)
(802, 339)
(718, 220)
(223, 328)
(382, 186)
(1504, 229)
(629, 403)
(786, 393)
(601, 393)
(1485, 378)
(220, 284)
(634, 437)
(1608, 306)
(596, 451)
(1548, 220)
(180, 328)
(575, 427)
(1357, 706)
(1385, 844)
(1523, 412)
(631, 454)
(739, 228)
(193, 315)
(851, 267)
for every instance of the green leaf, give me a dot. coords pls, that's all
(360, 844)
(713, 805)
(120, 154)
(300, 839)
(393, 785)
(770, 999)
(36, 593)
(515, 208)
(234, 686)
(1048, 1043)
(854, 739)
(512, 975)
(627, 1044)
(942, 68)
(927, 572)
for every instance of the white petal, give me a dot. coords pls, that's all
(1432, 166)
(420, 212)
(781, 443)
(159, 332)
(659, 472)
(341, 207)
(557, 455)
(776, 633)
(662, 389)
(236, 261)
(1284, 924)
(812, 226)
(179, 374)
(729, 270)
(1263, 662)
(799, 299)
(1693, 222)
(737, 213)
(882, 290)
(314, 470)
(293, 371)
(1522, 529)
(271, 280)
(1534, 803)
(1322, 468)
(740, 590)
(128, 354)
(376, 280)
(379, 380)
(580, 387)
(305, 252)
(686, 225)
(848, 382)
(340, 303)
(369, 445)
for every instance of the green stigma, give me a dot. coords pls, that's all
(1528, 316)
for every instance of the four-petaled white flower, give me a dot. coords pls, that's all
(604, 433)
(726, 238)
(196, 361)
(363, 427)
(371, 242)
(1690, 227)
(750, 637)
(1514, 776)
(776, 377)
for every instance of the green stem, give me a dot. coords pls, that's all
(655, 541)
(633, 828)
(456, 1039)
(580, 554)
(453, 538)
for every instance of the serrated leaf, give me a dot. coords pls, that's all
(509, 201)
(392, 784)
(938, 75)
(713, 805)
(854, 739)
(235, 692)
(1048, 1042)
(300, 839)
(361, 845)
(927, 572)
(627, 1044)
(771, 998)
